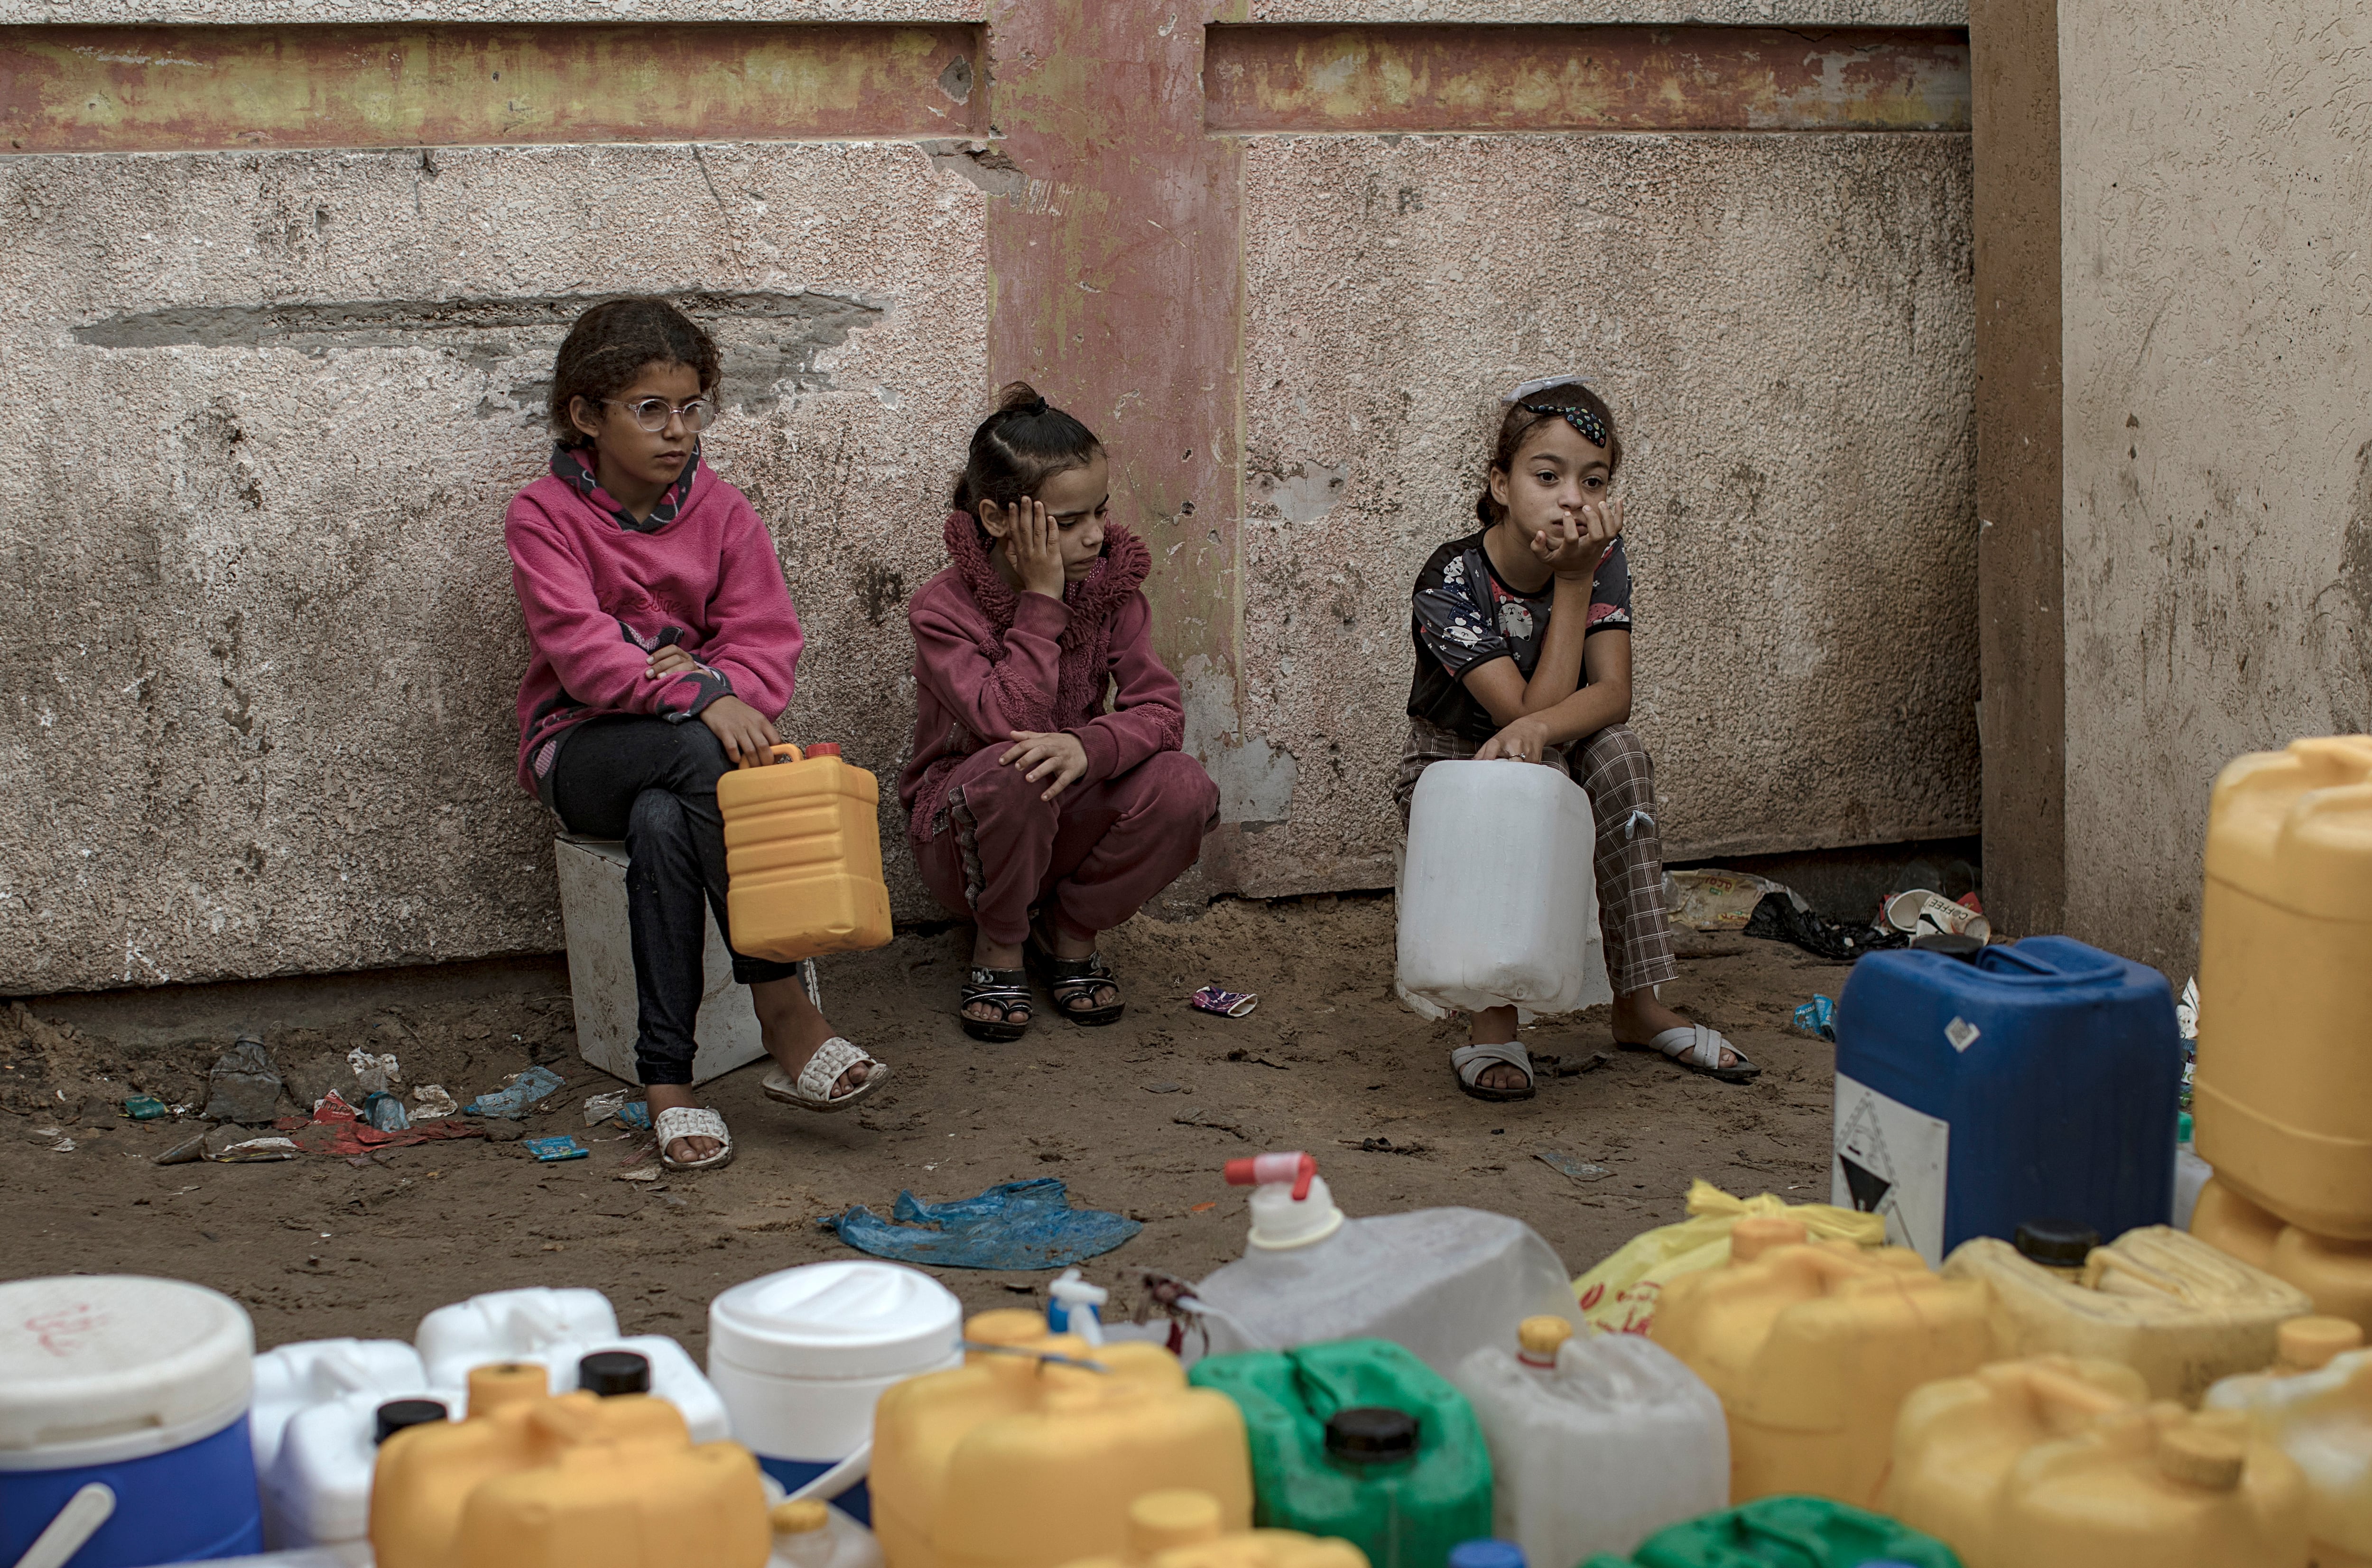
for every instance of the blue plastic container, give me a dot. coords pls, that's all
(2038, 1081)
(140, 1385)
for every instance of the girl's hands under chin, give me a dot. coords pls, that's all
(1033, 542)
(743, 729)
(1526, 741)
(1579, 541)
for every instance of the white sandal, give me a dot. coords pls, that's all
(813, 1089)
(686, 1121)
(1698, 1049)
(1470, 1061)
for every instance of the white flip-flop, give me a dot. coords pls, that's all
(813, 1089)
(1470, 1061)
(1698, 1049)
(689, 1122)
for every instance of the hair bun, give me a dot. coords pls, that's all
(1021, 398)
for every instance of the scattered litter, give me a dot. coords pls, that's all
(386, 1112)
(1203, 1208)
(192, 1147)
(1225, 1004)
(520, 1095)
(373, 1074)
(1779, 918)
(1380, 1146)
(145, 1107)
(234, 1145)
(1714, 900)
(636, 1114)
(2186, 1012)
(1164, 1088)
(244, 1083)
(646, 1173)
(601, 1107)
(1923, 912)
(552, 1151)
(331, 1109)
(63, 1146)
(1204, 1119)
(1570, 1067)
(1241, 1054)
(1817, 1016)
(1566, 1164)
(1015, 1224)
(430, 1101)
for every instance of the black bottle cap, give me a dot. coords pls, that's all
(608, 1372)
(2056, 1244)
(1371, 1434)
(397, 1414)
(1951, 943)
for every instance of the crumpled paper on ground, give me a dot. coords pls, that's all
(1015, 1224)
(1620, 1294)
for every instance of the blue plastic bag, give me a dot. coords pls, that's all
(526, 1092)
(1015, 1224)
(1818, 1017)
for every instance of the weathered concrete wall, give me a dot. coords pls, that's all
(2218, 435)
(258, 702)
(2014, 58)
(262, 663)
(1781, 324)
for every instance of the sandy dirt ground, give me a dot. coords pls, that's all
(1135, 1118)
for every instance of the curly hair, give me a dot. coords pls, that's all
(609, 346)
(1021, 446)
(1524, 417)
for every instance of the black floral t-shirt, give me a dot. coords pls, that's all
(1463, 615)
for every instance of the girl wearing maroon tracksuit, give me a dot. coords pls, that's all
(663, 642)
(1037, 811)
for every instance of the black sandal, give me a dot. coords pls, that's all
(1076, 980)
(1006, 989)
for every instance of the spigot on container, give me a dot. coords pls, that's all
(1075, 1306)
(1291, 1205)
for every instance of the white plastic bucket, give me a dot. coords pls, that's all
(800, 1358)
(140, 1387)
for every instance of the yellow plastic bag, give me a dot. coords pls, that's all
(1619, 1295)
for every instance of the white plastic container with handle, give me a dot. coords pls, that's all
(1595, 1444)
(556, 1329)
(1498, 901)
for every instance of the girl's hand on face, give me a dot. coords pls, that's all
(1033, 542)
(1038, 755)
(669, 660)
(1526, 741)
(1580, 538)
(743, 729)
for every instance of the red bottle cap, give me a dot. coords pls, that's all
(824, 749)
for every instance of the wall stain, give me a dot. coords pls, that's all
(881, 591)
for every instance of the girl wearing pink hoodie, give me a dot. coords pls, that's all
(1036, 811)
(663, 642)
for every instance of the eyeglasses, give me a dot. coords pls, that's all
(652, 413)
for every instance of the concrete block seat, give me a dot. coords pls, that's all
(602, 971)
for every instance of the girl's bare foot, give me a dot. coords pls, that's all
(988, 955)
(672, 1097)
(1055, 938)
(1639, 1018)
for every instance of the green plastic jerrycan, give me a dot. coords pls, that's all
(1358, 1438)
(1786, 1532)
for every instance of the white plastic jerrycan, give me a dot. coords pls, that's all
(1498, 902)
(1595, 1443)
(2322, 1418)
(1441, 1283)
(313, 1426)
(557, 1330)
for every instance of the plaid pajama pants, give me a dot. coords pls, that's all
(1612, 765)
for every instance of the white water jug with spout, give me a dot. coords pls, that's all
(1440, 1283)
(1498, 902)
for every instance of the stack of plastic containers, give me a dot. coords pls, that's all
(2282, 1093)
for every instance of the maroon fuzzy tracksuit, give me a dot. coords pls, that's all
(989, 661)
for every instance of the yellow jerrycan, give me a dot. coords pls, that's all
(1030, 1454)
(2179, 1311)
(1959, 1439)
(2336, 1275)
(1184, 1528)
(2053, 1463)
(1811, 1350)
(531, 1481)
(2323, 1418)
(2282, 1099)
(803, 856)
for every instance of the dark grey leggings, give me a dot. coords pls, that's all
(653, 783)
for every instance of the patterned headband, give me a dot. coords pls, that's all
(1586, 424)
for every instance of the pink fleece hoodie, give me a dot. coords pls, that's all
(989, 660)
(601, 592)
